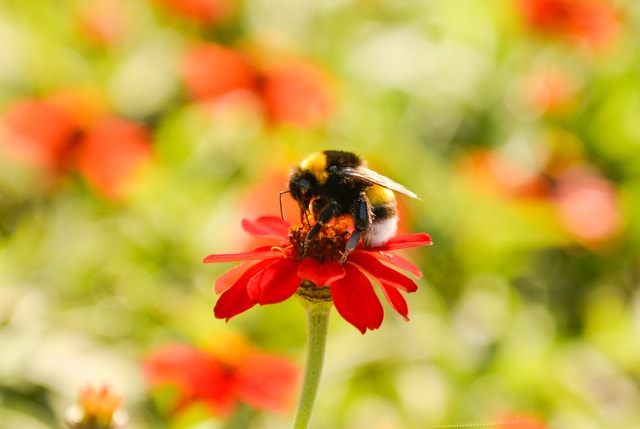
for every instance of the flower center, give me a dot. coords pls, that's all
(328, 245)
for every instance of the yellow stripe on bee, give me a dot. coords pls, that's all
(316, 163)
(378, 195)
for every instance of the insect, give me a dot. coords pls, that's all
(334, 183)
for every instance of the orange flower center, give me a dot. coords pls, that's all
(328, 245)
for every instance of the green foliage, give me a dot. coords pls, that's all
(521, 143)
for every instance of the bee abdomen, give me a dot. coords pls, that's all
(384, 216)
(380, 231)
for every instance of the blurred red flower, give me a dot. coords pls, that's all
(223, 380)
(104, 22)
(519, 421)
(490, 172)
(200, 11)
(588, 206)
(297, 93)
(84, 105)
(551, 91)
(111, 154)
(37, 133)
(593, 22)
(211, 71)
(272, 273)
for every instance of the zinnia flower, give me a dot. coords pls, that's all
(297, 93)
(519, 421)
(587, 206)
(592, 22)
(274, 272)
(104, 22)
(223, 380)
(203, 12)
(111, 155)
(36, 133)
(211, 71)
(97, 408)
(550, 91)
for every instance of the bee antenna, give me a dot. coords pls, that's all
(281, 209)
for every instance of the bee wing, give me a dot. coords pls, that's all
(375, 178)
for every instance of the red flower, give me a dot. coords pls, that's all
(519, 421)
(222, 380)
(550, 91)
(491, 172)
(588, 206)
(104, 22)
(297, 93)
(111, 154)
(37, 133)
(201, 11)
(272, 273)
(211, 71)
(593, 22)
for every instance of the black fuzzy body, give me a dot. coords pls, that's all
(335, 183)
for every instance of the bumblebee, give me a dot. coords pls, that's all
(333, 183)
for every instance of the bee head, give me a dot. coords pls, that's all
(303, 187)
(306, 180)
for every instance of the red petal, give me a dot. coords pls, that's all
(320, 274)
(382, 273)
(396, 300)
(404, 242)
(398, 262)
(240, 274)
(276, 282)
(267, 382)
(195, 375)
(233, 301)
(356, 301)
(227, 280)
(267, 227)
(262, 252)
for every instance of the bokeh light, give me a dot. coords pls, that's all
(136, 134)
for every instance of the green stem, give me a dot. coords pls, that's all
(317, 325)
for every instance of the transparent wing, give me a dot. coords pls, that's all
(375, 178)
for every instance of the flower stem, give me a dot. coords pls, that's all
(317, 325)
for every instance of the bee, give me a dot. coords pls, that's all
(334, 183)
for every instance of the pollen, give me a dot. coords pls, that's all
(285, 250)
(328, 245)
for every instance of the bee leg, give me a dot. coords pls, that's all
(304, 216)
(362, 219)
(325, 216)
(281, 209)
(351, 244)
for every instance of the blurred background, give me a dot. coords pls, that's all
(136, 134)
